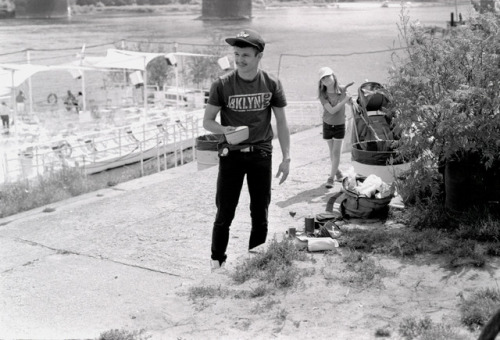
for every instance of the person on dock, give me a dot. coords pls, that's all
(70, 102)
(20, 99)
(5, 115)
(246, 96)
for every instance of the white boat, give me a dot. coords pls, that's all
(98, 151)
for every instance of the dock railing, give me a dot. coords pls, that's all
(134, 143)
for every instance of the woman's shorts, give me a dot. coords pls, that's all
(333, 131)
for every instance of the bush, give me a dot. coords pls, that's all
(446, 95)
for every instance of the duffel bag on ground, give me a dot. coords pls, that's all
(358, 206)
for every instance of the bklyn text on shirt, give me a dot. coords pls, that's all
(249, 102)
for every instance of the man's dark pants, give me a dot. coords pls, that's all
(257, 166)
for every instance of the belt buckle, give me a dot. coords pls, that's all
(247, 149)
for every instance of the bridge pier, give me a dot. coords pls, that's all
(226, 9)
(42, 8)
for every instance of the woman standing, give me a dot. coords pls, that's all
(333, 98)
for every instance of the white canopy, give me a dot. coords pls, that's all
(13, 75)
(121, 59)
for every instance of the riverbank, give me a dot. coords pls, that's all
(132, 256)
(195, 7)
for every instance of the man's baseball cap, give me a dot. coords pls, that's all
(248, 37)
(324, 71)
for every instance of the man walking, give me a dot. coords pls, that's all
(246, 96)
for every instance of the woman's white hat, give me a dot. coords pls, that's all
(325, 71)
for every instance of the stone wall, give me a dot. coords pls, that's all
(6, 8)
(41, 8)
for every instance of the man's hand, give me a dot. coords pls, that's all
(284, 170)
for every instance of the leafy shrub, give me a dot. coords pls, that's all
(447, 96)
(420, 185)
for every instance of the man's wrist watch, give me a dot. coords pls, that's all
(287, 160)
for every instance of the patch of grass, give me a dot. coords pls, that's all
(206, 292)
(202, 295)
(425, 329)
(274, 266)
(468, 252)
(479, 226)
(411, 328)
(55, 186)
(402, 243)
(477, 309)
(469, 244)
(281, 315)
(361, 271)
(265, 306)
(259, 291)
(122, 334)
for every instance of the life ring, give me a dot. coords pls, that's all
(52, 98)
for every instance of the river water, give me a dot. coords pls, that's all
(349, 38)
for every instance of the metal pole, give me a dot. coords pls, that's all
(176, 67)
(84, 167)
(145, 76)
(36, 162)
(124, 70)
(175, 146)
(84, 93)
(6, 176)
(13, 103)
(158, 164)
(165, 143)
(195, 136)
(142, 159)
(30, 95)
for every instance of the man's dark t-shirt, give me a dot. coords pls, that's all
(248, 103)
